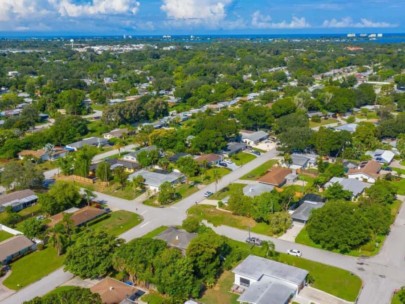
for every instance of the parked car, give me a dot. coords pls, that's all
(208, 194)
(228, 161)
(254, 241)
(256, 152)
(223, 164)
(294, 252)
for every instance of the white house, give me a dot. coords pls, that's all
(366, 172)
(132, 157)
(153, 180)
(382, 156)
(264, 281)
(253, 138)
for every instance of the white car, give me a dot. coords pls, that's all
(294, 252)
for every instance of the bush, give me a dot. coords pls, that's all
(316, 118)
(351, 119)
(191, 224)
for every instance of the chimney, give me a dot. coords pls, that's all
(177, 237)
(111, 288)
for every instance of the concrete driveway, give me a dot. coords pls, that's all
(292, 233)
(311, 295)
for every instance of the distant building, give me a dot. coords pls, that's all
(302, 161)
(355, 186)
(18, 200)
(253, 138)
(233, 148)
(42, 154)
(264, 281)
(177, 238)
(92, 141)
(153, 180)
(14, 248)
(117, 133)
(257, 189)
(348, 127)
(382, 156)
(209, 159)
(79, 217)
(133, 156)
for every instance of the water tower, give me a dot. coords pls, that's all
(71, 41)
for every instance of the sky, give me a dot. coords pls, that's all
(170, 17)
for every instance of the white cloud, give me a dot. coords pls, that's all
(260, 21)
(200, 10)
(96, 7)
(21, 9)
(349, 23)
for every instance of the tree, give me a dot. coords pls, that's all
(378, 217)
(401, 145)
(60, 197)
(33, 228)
(82, 161)
(336, 192)
(148, 158)
(103, 171)
(68, 129)
(188, 166)
(21, 175)
(120, 176)
(167, 193)
(91, 255)
(89, 195)
(66, 164)
(338, 225)
(72, 295)
(296, 139)
(382, 192)
(72, 101)
(366, 134)
(191, 224)
(279, 222)
(283, 107)
(138, 182)
(268, 248)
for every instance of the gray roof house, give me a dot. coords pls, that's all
(265, 281)
(176, 238)
(353, 185)
(14, 248)
(233, 148)
(257, 189)
(308, 203)
(153, 180)
(18, 200)
(348, 127)
(253, 138)
(382, 156)
(133, 155)
(302, 161)
(92, 141)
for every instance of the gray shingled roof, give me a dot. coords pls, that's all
(255, 268)
(303, 212)
(14, 245)
(176, 238)
(92, 141)
(256, 189)
(350, 184)
(155, 179)
(17, 197)
(255, 136)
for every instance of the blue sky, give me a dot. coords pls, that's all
(201, 16)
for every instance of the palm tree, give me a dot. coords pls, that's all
(216, 176)
(287, 159)
(118, 145)
(268, 248)
(89, 195)
(59, 241)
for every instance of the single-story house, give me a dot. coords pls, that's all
(113, 291)
(209, 159)
(79, 216)
(355, 186)
(302, 161)
(305, 206)
(367, 171)
(130, 167)
(132, 157)
(265, 281)
(42, 154)
(256, 189)
(233, 148)
(14, 248)
(176, 238)
(174, 158)
(253, 138)
(116, 133)
(275, 177)
(347, 127)
(382, 156)
(153, 180)
(18, 200)
(92, 141)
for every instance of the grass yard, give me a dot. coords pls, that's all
(218, 217)
(4, 235)
(395, 299)
(60, 289)
(116, 222)
(208, 177)
(322, 123)
(182, 190)
(338, 282)
(33, 267)
(401, 186)
(153, 233)
(220, 293)
(232, 188)
(242, 158)
(154, 298)
(260, 171)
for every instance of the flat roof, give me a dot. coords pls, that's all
(255, 268)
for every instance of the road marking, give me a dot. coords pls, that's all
(144, 212)
(147, 223)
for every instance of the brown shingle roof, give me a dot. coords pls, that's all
(80, 217)
(275, 176)
(209, 158)
(112, 291)
(37, 153)
(17, 195)
(371, 168)
(13, 246)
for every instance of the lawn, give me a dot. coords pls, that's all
(182, 191)
(208, 177)
(220, 293)
(116, 222)
(153, 233)
(323, 122)
(155, 298)
(4, 235)
(25, 213)
(335, 281)
(401, 186)
(395, 299)
(218, 217)
(33, 267)
(260, 171)
(227, 191)
(60, 289)
(242, 158)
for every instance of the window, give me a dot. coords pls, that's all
(244, 282)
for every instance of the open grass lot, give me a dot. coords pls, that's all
(220, 293)
(335, 281)
(232, 188)
(242, 158)
(260, 171)
(4, 235)
(209, 176)
(400, 184)
(323, 122)
(153, 233)
(33, 267)
(116, 223)
(218, 217)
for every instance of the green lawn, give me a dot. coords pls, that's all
(335, 281)
(116, 222)
(220, 293)
(60, 289)
(208, 176)
(260, 171)
(395, 299)
(25, 213)
(153, 233)
(401, 186)
(33, 267)
(218, 217)
(232, 188)
(242, 158)
(4, 235)
(182, 190)
(322, 123)
(154, 298)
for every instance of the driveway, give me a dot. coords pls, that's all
(292, 233)
(311, 295)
